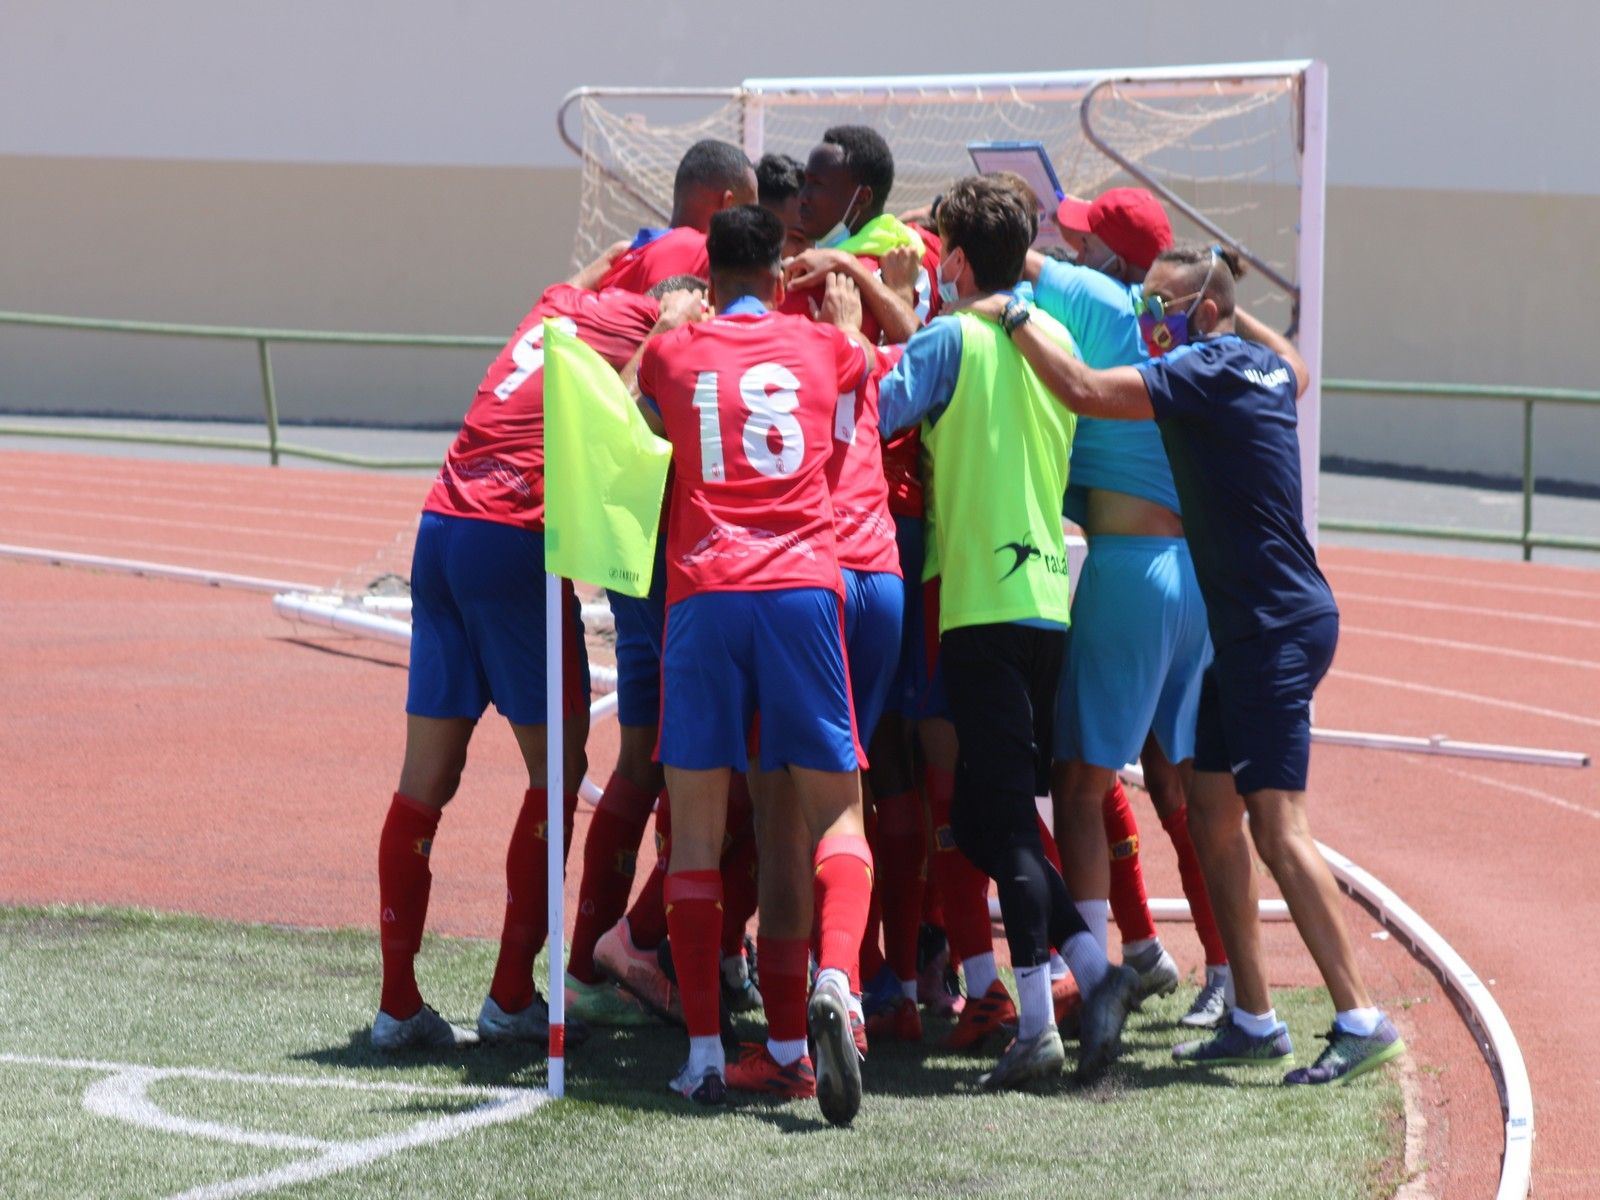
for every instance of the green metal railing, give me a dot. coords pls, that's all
(1528, 538)
(276, 449)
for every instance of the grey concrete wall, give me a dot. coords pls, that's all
(1470, 287)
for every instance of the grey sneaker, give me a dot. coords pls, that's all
(424, 1030)
(838, 1063)
(1210, 1005)
(1158, 973)
(1348, 1056)
(708, 1088)
(1233, 1047)
(1027, 1065)
(1104, 1014)
(739, 991)
(532, 1024)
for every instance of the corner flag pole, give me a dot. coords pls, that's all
(556, 810)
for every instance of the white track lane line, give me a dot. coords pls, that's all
(1504, 614)
(1474, 697)
(303, 487)
(116, 546)
(252, 531)
(1521, 790)
(1555, 660)
(1530, 589)
(321, 515)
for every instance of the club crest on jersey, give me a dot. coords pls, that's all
(1126, 848)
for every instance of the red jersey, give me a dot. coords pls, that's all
(862, 525)
(679, 251)
(749, 400)
(494, 469)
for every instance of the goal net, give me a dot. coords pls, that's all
(1235, 152)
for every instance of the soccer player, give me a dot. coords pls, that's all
(778, 180)
(749, 401)
(999, 458)
(711, 176)
(1222, 389)
(477, 635)
(1138, 642)
(848, 177)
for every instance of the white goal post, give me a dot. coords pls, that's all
(1235, 151)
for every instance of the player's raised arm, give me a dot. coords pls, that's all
(1258, 331)
(1118, 394)
(895, 315)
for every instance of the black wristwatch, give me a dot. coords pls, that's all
(1015, 315)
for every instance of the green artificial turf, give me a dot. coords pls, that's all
(162, 991)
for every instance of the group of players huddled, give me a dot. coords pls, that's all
(872, 419)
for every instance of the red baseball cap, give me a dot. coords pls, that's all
(1132, 222)
(1073, 214)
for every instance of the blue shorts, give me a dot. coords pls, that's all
(932, 703)
(729, 655)
(639, 621)
(477, 623)
(1135, 654)
(911, 668)
(1255, 705)
(873, 604)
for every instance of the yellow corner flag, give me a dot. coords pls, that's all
(604, 472)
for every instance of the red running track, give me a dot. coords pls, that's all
(185, 748)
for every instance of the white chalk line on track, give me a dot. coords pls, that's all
(1522, 790)
(1531, 589)
(118, 546)
(1493, 702)
(123, 1095)
(1556, 660)
(321, 514)
(251, 531)
(1503, 614)
(354, 485)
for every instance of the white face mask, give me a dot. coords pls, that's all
(948, 295)
(1104, 266)
(840, 232)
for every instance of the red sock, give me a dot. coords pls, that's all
(403, 885)
(901, 857)
(871, 937)
(844, 893)
(694, 923)
(1051, 850)
(784, 962)
(647, 919)
(610, 857)
(963, 888)
(738, 869)
(527, 900)
(1194, 888)
(1130, 906)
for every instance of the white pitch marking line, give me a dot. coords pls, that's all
(1455, 580)
(122, 1097)
(1504, 614)
(1452, 693)
(1534, 793)
(1559, 660)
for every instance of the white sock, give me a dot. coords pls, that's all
(784, 1053)
(1058, 966)
(1035, 1008)
(1096, 915)
(978, 973)
(832, 976)
(1129, 949)
(1363, 1022)
(908, 989)
(705, 1053)
(1087, 960)
(1256, 1024)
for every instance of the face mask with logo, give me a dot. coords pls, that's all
(840, 232)
(1164, 331)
